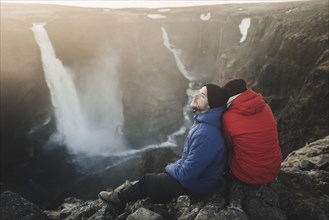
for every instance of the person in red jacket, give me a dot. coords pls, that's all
(251, 133)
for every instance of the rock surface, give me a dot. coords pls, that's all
(288, 64)
(296, 194)
(13, 206)
(312, 161)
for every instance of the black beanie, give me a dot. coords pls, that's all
(217, 96)
(235, 86)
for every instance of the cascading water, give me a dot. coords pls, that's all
(75, 127)
(193, 81)
(177, 53)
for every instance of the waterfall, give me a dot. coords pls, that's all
(89, 120)
(176, 53)
(75, 126)
(194, 85)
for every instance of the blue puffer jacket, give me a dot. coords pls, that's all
(204, 156)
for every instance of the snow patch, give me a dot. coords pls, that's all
(244, 26)
(291, 10)
(205, 17)
(156, 16)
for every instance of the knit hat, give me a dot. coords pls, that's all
(235, 86)
(217, 96)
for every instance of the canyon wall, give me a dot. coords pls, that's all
(284, 56)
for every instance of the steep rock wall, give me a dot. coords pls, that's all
(285, 57)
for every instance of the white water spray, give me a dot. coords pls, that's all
(74, 127)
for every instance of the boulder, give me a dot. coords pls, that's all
(155, 160)
(312, 161)
(73, 209)
(14, 206)
(143, 213)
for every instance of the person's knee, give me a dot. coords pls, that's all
(147, 179)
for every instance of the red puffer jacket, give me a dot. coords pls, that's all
(251, 133)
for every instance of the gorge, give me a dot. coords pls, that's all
(133, 72)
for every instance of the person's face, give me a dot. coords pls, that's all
(200, 101)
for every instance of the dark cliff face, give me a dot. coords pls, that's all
(285, 57)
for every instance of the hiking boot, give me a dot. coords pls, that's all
(113, 196)
(110, 197)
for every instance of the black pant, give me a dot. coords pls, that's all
(159, 187)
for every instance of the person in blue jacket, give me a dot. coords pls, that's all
(202, 163)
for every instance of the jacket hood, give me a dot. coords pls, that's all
(248, 103)
(212, 117)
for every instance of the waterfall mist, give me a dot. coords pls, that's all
(101, 101)
(89, 117)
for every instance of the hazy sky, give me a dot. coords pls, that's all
(147, 4)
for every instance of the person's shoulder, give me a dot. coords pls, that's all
(209, 132)
(228, 114)
(203, 131)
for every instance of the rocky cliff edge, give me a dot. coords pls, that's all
(300, 192)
